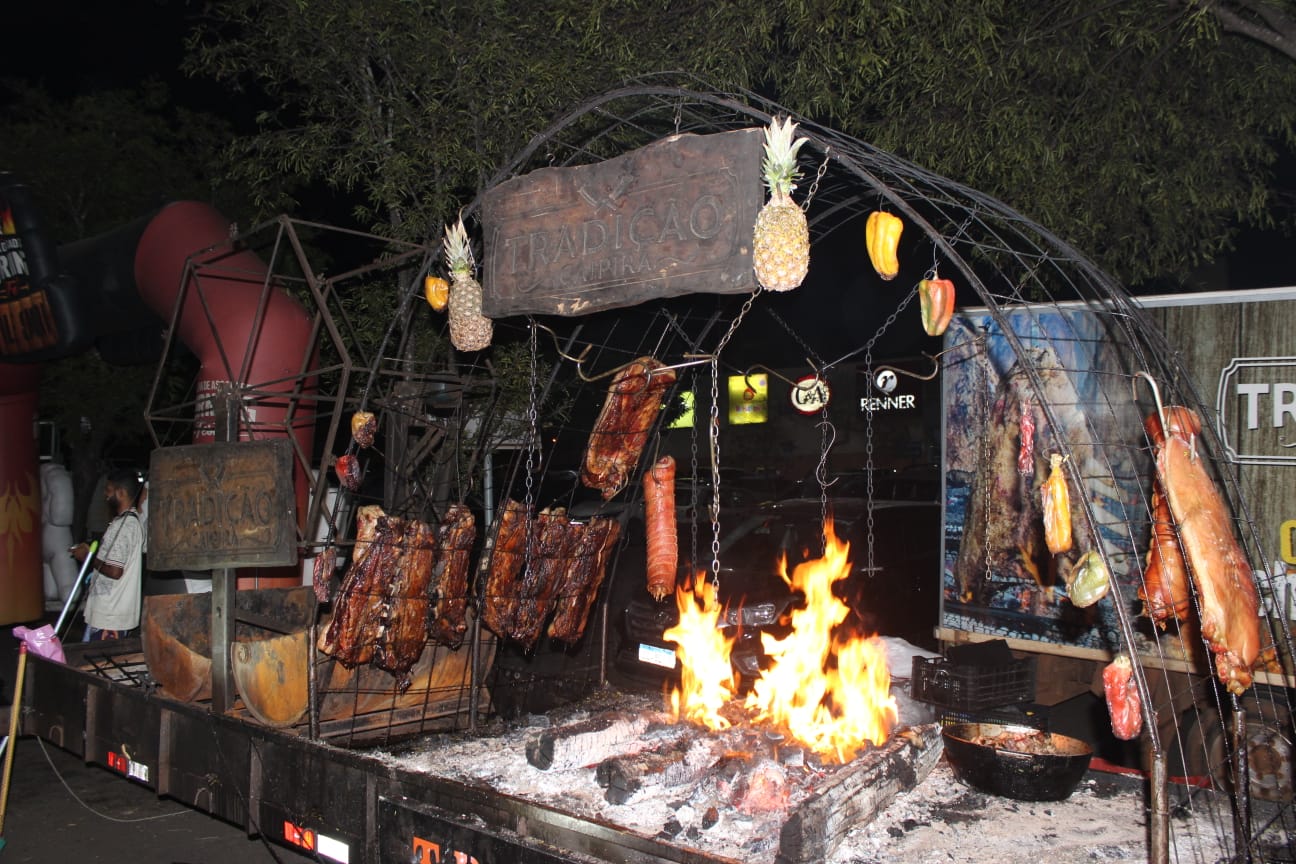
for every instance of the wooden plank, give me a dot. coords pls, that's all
(856, 793)
(1101, 655)
(585, 742)
(215, 506)
(671, 218)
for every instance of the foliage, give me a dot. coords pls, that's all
(1134, 131)
(1143, 133)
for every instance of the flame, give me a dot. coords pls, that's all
(829, 691)
(7, 221)
(707, 680)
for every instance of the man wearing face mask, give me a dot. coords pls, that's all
(112, 608)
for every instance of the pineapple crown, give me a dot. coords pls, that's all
(458, 252)
(780, 164)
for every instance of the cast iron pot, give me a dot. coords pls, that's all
(1050, 776)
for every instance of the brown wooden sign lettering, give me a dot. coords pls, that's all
(674, 217)
(222, 505)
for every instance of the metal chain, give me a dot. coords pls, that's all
(693, 473)
(814, 185)
(533, 433)
(714, 433)
(532, 445)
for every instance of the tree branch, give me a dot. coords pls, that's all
(1258, 20)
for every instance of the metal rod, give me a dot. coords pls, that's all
(1241, 786)
(1159, 841)
(82, 580)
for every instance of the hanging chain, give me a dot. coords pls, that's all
(714, 433)
(827, 437)
(532, 447)
(814, 184)
(694, 499)
(533, 431)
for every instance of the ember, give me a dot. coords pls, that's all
(829, 691)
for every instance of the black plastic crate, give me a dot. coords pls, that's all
(1022, 714)
(937, 681)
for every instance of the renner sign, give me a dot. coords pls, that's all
(1256, 401)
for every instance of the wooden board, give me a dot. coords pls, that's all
(854, 795)
(222, 505)
(674, 217)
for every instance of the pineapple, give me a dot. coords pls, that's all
(469, 329)
(781, 246)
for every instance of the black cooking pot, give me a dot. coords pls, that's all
(1026, 776)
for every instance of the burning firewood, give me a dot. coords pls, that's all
(682, 760)
(586, 742)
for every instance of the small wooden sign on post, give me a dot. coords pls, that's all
(222, 505)
(674, 217)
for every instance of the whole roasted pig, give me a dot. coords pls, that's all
(1230, 622)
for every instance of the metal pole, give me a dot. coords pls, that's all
(1159, 845)
(226, 406)
(1241, 786)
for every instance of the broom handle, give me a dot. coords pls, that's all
(75, 594)
(14, 710)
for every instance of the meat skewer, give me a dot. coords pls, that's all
(1220, 570)
(659, 522)
(629, 411)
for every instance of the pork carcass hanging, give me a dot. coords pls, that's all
(1220, 570)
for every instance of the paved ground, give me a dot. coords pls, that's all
(63, 810)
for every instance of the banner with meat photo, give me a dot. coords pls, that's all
(1052, 385)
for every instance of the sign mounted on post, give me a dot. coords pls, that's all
(222, 505)
(674, 217)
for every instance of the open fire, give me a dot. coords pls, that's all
(827, 689)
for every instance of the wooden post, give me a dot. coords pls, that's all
(226, 405)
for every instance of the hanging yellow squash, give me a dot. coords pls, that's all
(882, 239)
(437, 292)
(1057, 507)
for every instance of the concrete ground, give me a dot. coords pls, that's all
(61, 809)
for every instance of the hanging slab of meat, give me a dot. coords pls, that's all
(1164, 591)
(503, 562)
(407, 603)
(450, 576)
(584, 576)
(554, 542)
(662, 535)
(361, 606)
(629, 412)
(1220, 570)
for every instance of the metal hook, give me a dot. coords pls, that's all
(760, 367)
(820, 469)
(1156, 396)
(558, 348)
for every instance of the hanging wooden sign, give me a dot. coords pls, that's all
(674, 217)
(222, 505)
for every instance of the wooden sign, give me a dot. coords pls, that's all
(674, 217)
(222, 505)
